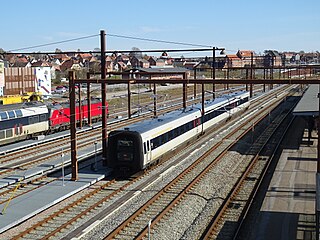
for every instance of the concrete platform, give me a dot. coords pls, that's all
(45, 167)
(29, 204)
(286, 208)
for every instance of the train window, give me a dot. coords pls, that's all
(125, 143)
(181, 130)
(9, 133)
(11, 114)
(148, 146)
(30, 120)
(155, 143)
(186, 127)
(42, 117)
(165, 137)
(36, 119)
(3, 115)
(206, 118)
(2, 135)
(175, 132)
(18, 113)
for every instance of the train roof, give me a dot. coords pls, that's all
(58, 105)
(149, 124)
(17, 106)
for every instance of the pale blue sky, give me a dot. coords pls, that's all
(284, 25)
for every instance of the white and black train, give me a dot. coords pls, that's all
(142, 144)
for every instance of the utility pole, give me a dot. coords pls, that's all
(104, 97)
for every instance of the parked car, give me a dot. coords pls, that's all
(61, 89)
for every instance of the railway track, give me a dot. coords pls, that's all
(19, 162)
(124, 191)
(168, 198)
(25, 158)
(236, 205)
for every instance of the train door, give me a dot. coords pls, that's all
(196, 123)
(147, 151)
(16, 129)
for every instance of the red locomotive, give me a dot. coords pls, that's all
(59, 113)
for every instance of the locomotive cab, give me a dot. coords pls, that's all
(125, 153)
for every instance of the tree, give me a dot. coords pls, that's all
(58, 50)
(97, 50)
(136, 52)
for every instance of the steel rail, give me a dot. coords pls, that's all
(211, 229)
(62, 227)
(180, 177)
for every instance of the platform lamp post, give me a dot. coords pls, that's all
(213, 73)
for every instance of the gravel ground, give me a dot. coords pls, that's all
(199, 203)
(119, 216)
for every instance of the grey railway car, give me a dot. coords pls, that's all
(22, 121)
(142, 144)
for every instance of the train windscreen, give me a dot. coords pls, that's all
(125, 150)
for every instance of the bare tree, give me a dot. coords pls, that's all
(136, 52)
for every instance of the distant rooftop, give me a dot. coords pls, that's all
(161, 70)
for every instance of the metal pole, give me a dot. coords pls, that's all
(184, 89)
(104, 97)
(195, 85)
(318, 147)
(251, 74)
(139, 106)
(264, 77)
(95, 155)
(89, 101)
(247, 73)
(213, 72)
(318, 170)
(228, 72)
(62, 160)
(154, 100)
(73, 132)
(129, 100)
(202, 99)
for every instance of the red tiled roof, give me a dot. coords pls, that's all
(41, 64)
(245, 53)
(232, 56)
(85, 55)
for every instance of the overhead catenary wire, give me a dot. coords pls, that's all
(110, 35)
(54, 43)
(158, 41)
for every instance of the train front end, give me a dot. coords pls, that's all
(125, 154)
